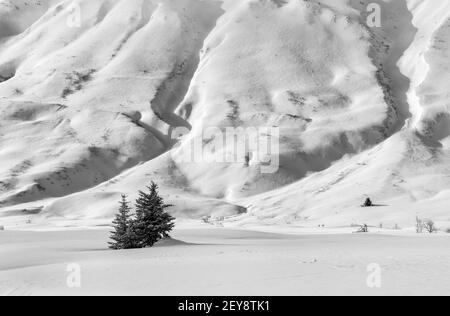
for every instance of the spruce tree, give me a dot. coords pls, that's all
(123, 237)
(152, 221)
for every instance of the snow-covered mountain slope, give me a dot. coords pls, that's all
(93, 90)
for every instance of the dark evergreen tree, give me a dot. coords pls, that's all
(152, 221)
(368, 203)
(123, 237)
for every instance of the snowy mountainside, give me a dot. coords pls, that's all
(88, 112)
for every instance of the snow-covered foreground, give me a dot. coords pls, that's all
(217, 261)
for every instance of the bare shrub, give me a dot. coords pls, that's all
(363, 229)
(419, 225)
(430, 226)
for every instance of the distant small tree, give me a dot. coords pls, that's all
(152, 222)
(122, 237)
(430, 227)
(368, 203)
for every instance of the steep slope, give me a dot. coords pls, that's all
(91, 111)
(75, 110)
(16, 16)
(408, 174)
(426, 63)
(296, 74)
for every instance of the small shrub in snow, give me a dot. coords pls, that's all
(419, 225)
(206, 219)
(430, 227)
(363, 229)
(2, 228)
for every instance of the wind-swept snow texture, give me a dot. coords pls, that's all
(88, 109)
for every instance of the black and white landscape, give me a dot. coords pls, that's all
(303, 145)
